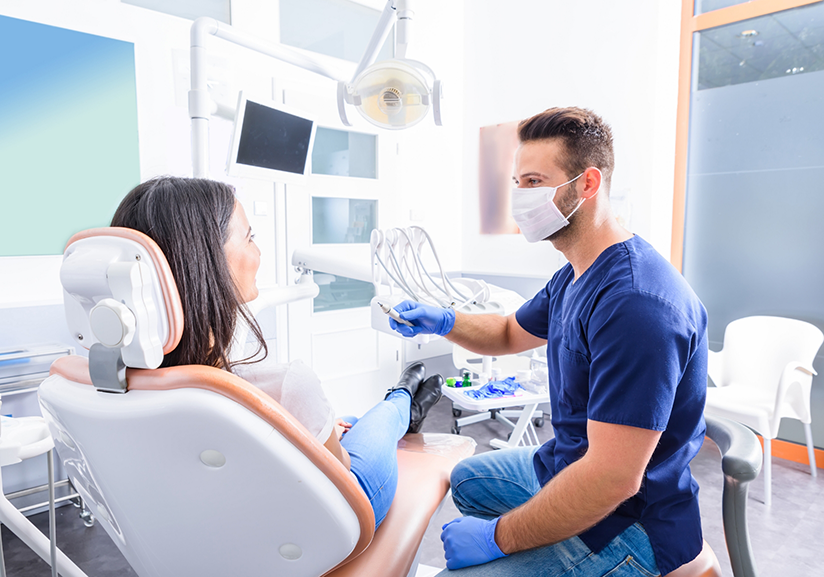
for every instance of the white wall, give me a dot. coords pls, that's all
(618, 59)
(427, 187)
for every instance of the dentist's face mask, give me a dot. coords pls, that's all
(536, 214)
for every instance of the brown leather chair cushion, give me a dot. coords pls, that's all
(423, 481)
(705, 565)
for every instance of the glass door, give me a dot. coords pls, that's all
(753, 197)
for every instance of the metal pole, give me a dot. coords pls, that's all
(52, 528)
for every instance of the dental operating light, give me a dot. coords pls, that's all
(395, 93)
(391, 94)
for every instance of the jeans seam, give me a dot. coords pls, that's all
(575, 565)
(458, 497)
(510, 481)
(376, 493)
(630, 560)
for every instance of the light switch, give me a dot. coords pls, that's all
(261, 208)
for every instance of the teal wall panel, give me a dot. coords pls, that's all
(68, 134)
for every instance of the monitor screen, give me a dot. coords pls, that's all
(270, 142)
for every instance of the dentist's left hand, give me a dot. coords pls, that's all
(470, 541)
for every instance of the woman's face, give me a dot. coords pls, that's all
(242, 254)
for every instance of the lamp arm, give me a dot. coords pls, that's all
(385, 23)
(275, 296)
(200, 104)
(269, 297)
(337, 262)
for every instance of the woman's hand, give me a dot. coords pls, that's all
(342, 427)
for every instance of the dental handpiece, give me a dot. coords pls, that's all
(394, 314)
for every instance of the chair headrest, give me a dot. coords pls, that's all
(119, 293)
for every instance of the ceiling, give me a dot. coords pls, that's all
(780, 44)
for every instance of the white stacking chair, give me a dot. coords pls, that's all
(763, 374)
(193, 471)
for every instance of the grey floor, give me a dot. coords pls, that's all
(788, 540)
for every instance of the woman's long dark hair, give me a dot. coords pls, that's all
(189, 220)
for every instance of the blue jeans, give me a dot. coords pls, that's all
(372, 443)
(490, 484)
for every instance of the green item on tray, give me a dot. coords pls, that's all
(466, 381)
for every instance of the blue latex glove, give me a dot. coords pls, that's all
(496, 389)
(470, 541)
(426, 319)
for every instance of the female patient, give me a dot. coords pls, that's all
(203, 232)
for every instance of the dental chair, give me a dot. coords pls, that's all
(193, 471)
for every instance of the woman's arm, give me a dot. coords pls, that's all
(334, 446)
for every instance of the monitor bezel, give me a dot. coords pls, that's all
(236, 169)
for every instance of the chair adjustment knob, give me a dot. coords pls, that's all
(112, 323)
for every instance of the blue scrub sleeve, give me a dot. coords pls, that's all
(533, 316)
(641, 345)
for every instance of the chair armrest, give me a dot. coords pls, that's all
(715, 367)
(740, 449)
(741, 462)
(798, 398)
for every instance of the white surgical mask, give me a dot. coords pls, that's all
(536, 214)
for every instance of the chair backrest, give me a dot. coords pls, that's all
(740, 462)
(190, 470)
(758, 348)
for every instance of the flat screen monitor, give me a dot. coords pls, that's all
(271, 141)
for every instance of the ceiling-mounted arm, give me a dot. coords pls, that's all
(403, 31)
(395, 93)
(382, 29)
(201, 106)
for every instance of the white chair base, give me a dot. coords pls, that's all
(768, 462)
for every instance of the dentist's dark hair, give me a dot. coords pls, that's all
(189, 220)
(586, 138)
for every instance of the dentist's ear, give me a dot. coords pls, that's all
(592, 182)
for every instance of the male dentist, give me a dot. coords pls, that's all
(626, 340)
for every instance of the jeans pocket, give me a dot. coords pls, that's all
(629, 567)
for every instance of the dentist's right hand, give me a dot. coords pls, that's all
(426, 319)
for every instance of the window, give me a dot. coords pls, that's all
(192, 9)
(343, 220)
(345, 153)
(749, 237)
(338, 28)
(340, 292)
(702, 6)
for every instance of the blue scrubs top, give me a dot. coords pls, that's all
(627, 344)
